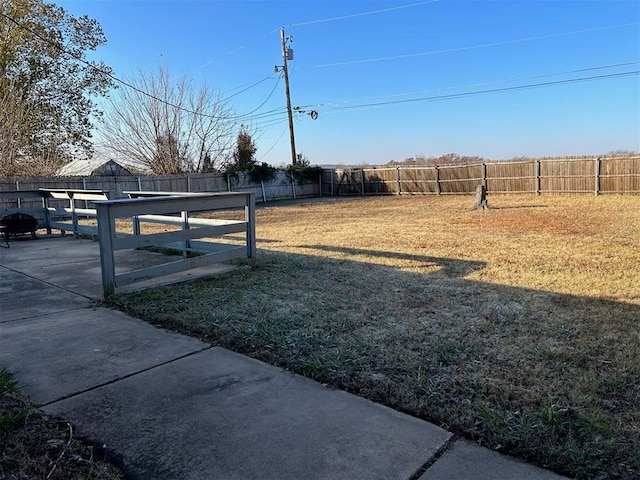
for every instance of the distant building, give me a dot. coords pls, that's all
(85, 168)
(110, 169)
(77, 168)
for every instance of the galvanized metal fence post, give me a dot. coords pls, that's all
(250, 218)
(293, 185)
(84, 187)
(484, 175)
(597, 176)
(74, 215)
(184, 215)
(333, 174)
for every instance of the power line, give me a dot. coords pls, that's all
(474, 85)
(271, 123)
(471, 47)
(276, 142)
(374, 12)
(491, 91)
(336, 105)
(265, 101)
(231, 52)
(271, 117)
(310, 23)
(269, 77)
(125, 83)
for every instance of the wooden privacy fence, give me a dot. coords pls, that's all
(283, 186)
(182, 209)
(605, 175)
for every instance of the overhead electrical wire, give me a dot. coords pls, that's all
(271, 123)
(275, 143)
(374, 12)
(475, 85)
(248, 114)
(335, 107)
(205, 64)
(123, 82)
(282, 111)
(269, 77)
(491, 91)
(270, 117)
(471, 47)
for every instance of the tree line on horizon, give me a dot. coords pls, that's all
(458, 159)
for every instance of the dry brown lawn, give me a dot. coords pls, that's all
(575, 245)
(518, 327)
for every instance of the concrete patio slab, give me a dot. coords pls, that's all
(468, 461)
(29, 253)
(24, 297)
(75, 263)
(65, 353)
(217, 414)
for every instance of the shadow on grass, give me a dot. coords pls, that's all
(449, 266)
(518, 207)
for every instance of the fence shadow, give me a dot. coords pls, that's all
(450, 267)
(518, 207)
(493, 362)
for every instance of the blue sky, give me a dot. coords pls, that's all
(395, 79)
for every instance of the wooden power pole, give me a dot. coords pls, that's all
(287, 54)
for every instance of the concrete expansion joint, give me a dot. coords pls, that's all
(49, 283)
(45, 314)
(123, 377)
(444, 448)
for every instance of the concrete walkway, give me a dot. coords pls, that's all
(168, 406)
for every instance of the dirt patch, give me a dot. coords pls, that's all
(543, 219)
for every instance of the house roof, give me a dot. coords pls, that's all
(85, 168)
(110, 168)
(80, 168)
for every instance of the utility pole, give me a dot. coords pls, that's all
(287, 54)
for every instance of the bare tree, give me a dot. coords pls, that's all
(168, 126)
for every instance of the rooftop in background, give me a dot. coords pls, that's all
(95, 167)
